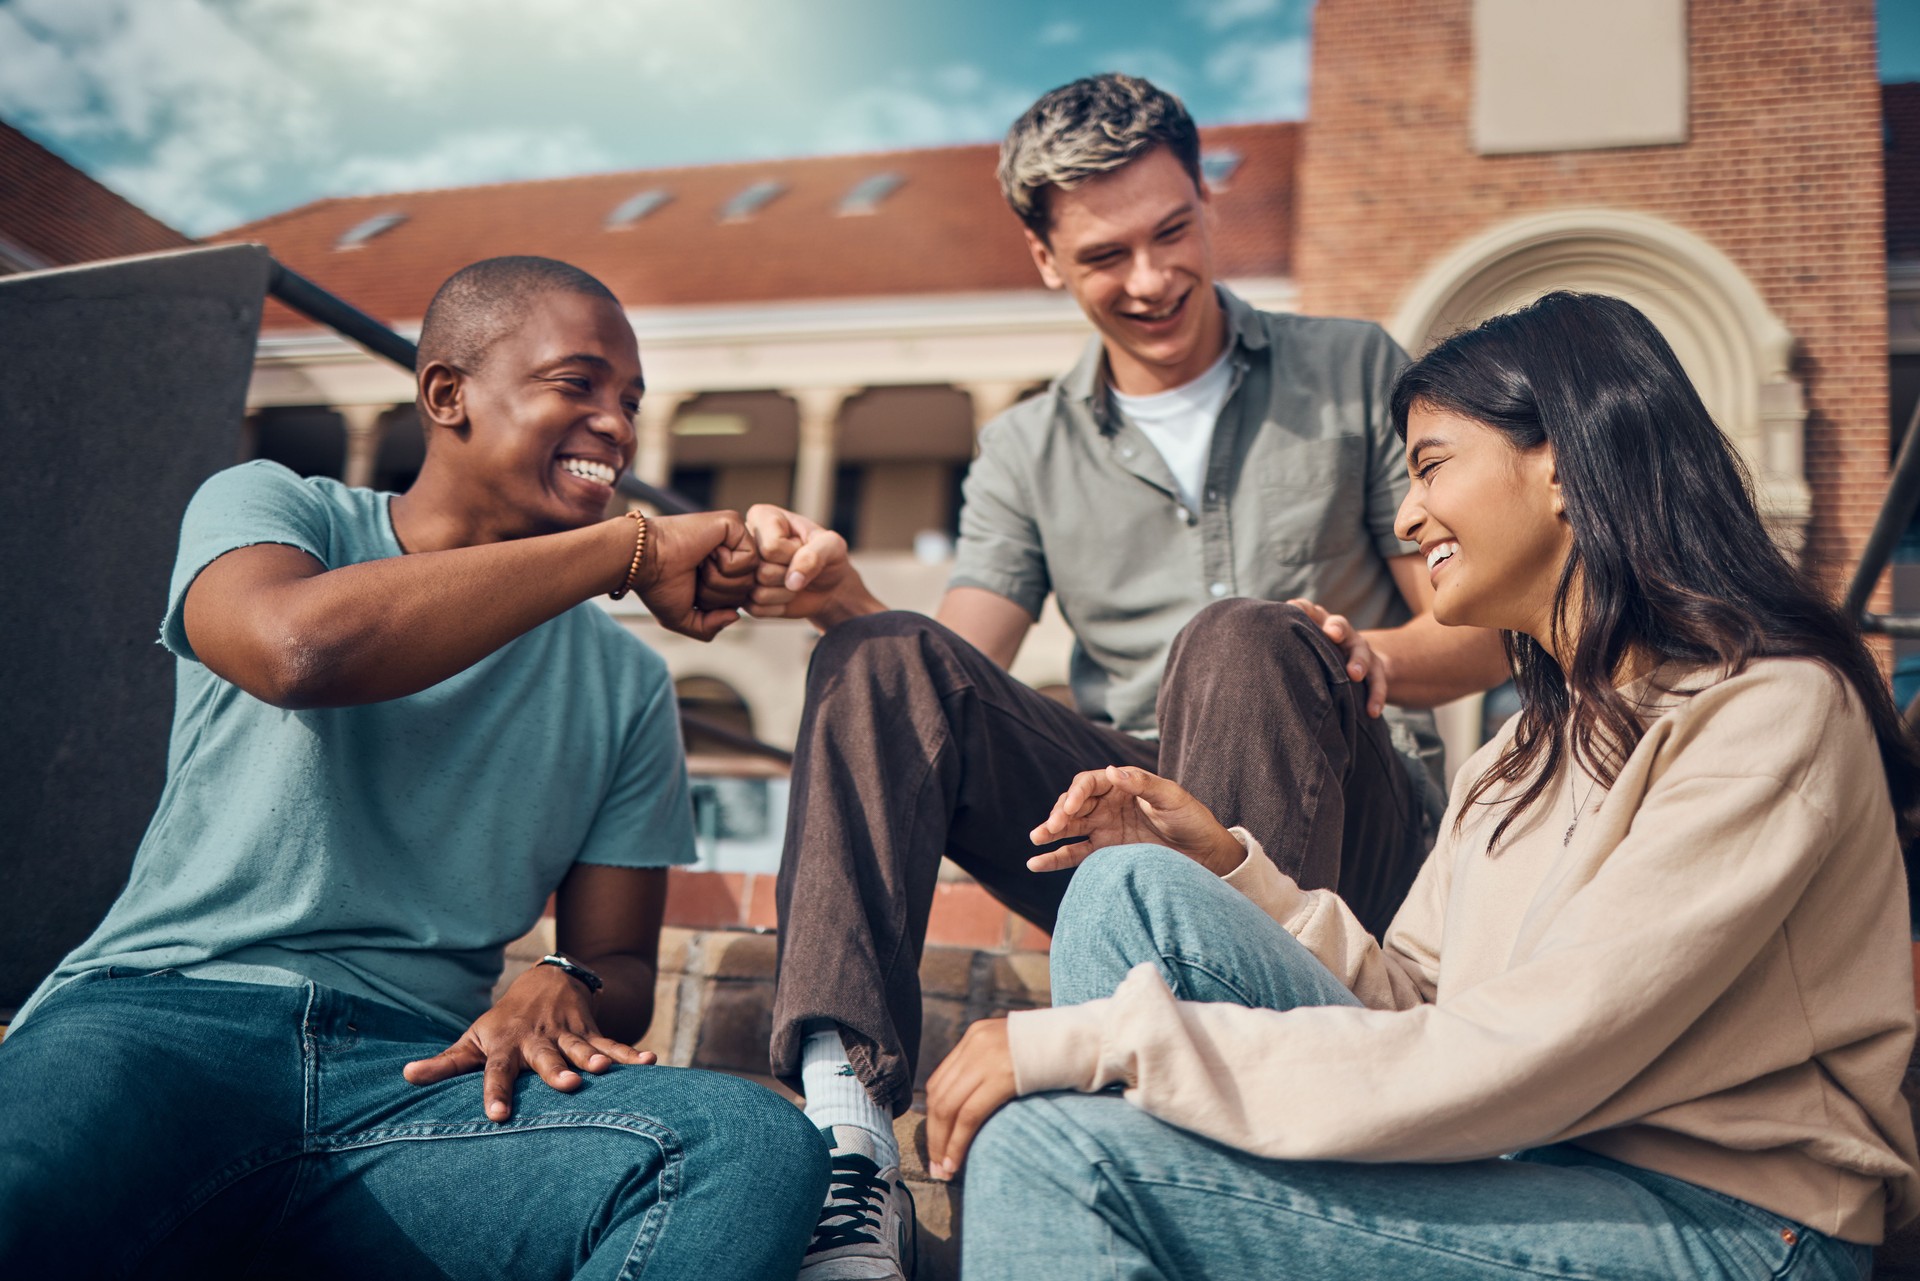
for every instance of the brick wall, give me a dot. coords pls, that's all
(1782, 173)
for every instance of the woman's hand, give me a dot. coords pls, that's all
(970, 1085)
(1121, 805)
(542, 1023)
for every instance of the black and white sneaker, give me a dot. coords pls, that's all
(866, 1229)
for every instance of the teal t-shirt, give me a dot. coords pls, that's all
(389, 850)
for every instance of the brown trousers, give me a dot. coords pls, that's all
(914, 745)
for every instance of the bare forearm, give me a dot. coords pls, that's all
(1429, 664)
(624, 1007)
(388, 628)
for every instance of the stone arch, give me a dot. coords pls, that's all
(1731, 344)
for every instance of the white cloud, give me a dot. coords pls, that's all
(1265, 80)
(1221, 14)
(482, 156)
(955, 103)
(37, 78)
(210, 112)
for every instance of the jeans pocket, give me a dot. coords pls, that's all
(1794, 1250)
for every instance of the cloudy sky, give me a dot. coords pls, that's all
(214, 112)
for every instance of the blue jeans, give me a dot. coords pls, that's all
(154, 1125)
(1072, 1185)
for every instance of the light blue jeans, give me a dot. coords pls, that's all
(159, 1126)
(1071, 1185)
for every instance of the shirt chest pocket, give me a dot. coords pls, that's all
(1312, 496)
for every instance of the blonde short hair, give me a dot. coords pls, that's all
(1092, 126)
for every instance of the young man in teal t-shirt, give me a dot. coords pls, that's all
(400, 725)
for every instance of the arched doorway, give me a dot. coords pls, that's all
(1732, 346)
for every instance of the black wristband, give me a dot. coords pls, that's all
(573, 969)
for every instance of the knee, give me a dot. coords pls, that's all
(1229, 635)
(873, 647)
(766, 1150)
(1228, 626)
(1121, 892)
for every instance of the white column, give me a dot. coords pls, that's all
(653, 432)
(819, 428)
(363, 440)
(990, 400)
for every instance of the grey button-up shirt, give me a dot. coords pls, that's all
(1303, 480)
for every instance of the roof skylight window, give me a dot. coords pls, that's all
(1218, 167)
(361, 232)
(867, 194)
(751, 200)
(636, 207)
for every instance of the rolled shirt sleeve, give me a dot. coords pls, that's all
(1387, 480)
(1000, 548)
(254, 503)
(646, 818)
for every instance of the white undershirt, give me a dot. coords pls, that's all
(1180, 424)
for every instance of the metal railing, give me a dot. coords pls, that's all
(347, 320)
(1896, 513)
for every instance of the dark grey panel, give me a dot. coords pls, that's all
(122, 387)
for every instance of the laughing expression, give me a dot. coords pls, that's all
(1489, 522)
(550, 414)
(1133, 248)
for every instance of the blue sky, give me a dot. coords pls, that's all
(213, 112)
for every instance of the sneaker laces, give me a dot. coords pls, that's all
(855, 1194)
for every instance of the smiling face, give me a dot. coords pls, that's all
(548, 417)
(1132, 247)
(1490, 521)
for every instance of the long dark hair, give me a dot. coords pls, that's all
(1672, 559)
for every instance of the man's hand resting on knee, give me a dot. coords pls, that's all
(1121, 805)
(542, 1024)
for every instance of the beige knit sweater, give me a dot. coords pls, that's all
(1711, 980)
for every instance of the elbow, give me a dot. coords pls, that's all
(295, 673)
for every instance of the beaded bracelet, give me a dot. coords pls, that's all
(639, 549)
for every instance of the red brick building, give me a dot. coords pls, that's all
(1775, 166)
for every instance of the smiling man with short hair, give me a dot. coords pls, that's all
(1202, 464)
(401, 725)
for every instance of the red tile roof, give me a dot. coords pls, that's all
(945, 229)
(1900, 110)
(60, 216)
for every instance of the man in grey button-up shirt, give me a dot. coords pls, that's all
(916, 743)
(1302, 483)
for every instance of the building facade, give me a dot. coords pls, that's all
(830, 333)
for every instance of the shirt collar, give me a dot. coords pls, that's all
(1086, 382)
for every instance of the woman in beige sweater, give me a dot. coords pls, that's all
(1647, 1007)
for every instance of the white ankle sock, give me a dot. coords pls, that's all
(835, 1096)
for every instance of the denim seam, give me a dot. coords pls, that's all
(252, 1163)
(1519, 1269)
(1176, 957)
(209, 1188)
(632, 1122)
(652, 1223)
